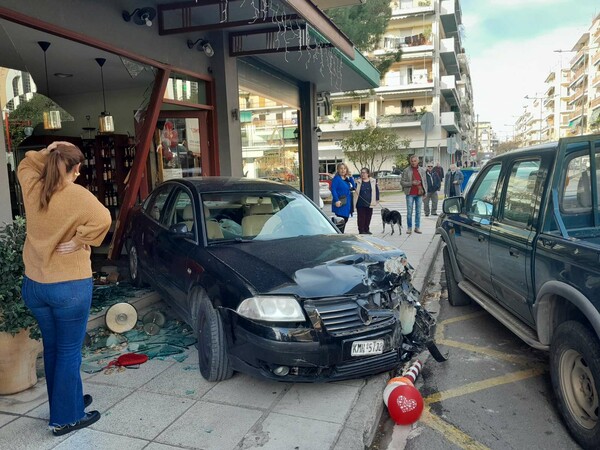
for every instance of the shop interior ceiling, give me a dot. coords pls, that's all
(19, 50)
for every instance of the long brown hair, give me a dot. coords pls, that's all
(61, 161)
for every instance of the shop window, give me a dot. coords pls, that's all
(186, 89)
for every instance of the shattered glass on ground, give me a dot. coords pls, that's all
(104, 346)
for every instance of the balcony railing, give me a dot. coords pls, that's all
(579, 74)
(400, 8)
(596, 59)
(595, 102)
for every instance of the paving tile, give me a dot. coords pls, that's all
(24, 401)
(244, 390)
(143, 415)
(180, 379)
(87, 439)
(27, 433)
(6, 418)
(328, 402)
(157, 446)
(280, 431)
(210, 426)
(104, 398)
(132, 378)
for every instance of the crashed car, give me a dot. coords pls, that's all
(270, 285)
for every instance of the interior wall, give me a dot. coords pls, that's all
(5, 209)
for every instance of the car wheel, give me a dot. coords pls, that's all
(135, 274)
(456, 297)
(212, 344)
(575, 372)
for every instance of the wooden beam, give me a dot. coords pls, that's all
(139, 163)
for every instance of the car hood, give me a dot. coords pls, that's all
(315, 266)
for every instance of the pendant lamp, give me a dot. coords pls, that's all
(105, 120)
(51, 114)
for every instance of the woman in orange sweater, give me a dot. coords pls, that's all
(63, 221)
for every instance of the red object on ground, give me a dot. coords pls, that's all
(413, 371)
(129, 359)
(405, 404)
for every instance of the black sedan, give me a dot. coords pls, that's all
(270, 285)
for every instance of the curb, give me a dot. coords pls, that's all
(360, 427)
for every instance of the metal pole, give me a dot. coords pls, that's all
(541, 111)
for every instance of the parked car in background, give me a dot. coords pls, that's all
(324, 190)
(325, 178)
(326, 308)
(524, 243)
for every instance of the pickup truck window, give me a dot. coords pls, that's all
(480, 201)
(522, 197)
(577, 191)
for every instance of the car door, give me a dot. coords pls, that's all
(149, 225)
(173, 249)
(470, 231)
(512, 235)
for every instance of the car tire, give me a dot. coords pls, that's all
(456, 297)
(135, 274)
(212, 344)
(574, 360)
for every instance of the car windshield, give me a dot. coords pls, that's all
(265, 216)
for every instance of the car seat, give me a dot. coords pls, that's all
(188, 217)
(258, 215)
(213, 229)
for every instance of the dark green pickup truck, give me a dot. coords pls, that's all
(524, 243)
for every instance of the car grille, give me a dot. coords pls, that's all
(366, 366)
(342, 317)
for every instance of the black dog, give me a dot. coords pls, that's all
(392, 218)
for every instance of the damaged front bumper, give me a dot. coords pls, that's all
(345, 337)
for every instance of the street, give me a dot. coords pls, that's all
(493, 392)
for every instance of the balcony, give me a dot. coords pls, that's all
(449, 122)
(410, 44)
(450, 16)
(448, 89)
(417, 7)
(404, 120)
(577, 95)
(578, 75)
(595, 103)
(345, 125)
(596, 59)
(448, 52)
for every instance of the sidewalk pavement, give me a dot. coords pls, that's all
(168, 405)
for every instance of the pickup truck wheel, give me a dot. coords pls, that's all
(456, 297)
(575, 372)
(212, 343)
(135, 274)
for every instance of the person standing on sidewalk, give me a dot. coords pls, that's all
(434, 183)
(342, 187)
(453, 182)
(415, 187)
(366, 197)
(439, 170)
(63, 220)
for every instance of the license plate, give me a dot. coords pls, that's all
(361, 348)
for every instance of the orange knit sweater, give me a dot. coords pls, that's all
(73, 213)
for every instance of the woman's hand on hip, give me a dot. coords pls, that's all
(70, 246)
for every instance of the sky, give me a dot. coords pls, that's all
(510, 47)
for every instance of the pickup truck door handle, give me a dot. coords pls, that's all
(481, 238)
(513, 252)
(548, 243)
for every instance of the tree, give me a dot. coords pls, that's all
(365, 24)
(370, 147)
(401, 159)
(507, 146)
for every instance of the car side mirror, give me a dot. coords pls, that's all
(453, 205)
(180, 230)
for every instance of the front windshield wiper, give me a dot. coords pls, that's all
(229, 241)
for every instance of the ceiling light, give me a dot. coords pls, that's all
(105, 120)
(140, 16)
(203, 45)
(63, 75)
(50, 114)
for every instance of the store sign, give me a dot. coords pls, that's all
(169, 174)
(192, 132)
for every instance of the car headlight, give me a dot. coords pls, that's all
(271, 308)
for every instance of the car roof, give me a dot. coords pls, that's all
(231, 184)
(533, 150)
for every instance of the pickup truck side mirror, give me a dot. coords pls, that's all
(338, 221)
(453, 205)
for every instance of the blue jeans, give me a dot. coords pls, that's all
(417, 201)
(62, 311)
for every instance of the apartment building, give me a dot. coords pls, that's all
(432, 76)
(570, 103)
